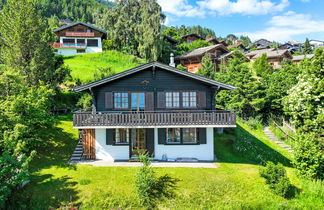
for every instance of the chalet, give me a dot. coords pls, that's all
(262, 44)
(169, 113)
(192, 59)
(191, 37)
(213, 41)
(238, 46)
(173, 43)
(275, 56)
(316, 43)
(298, 58)
(78, 38)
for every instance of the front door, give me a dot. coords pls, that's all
(138, 101)
(138, 141)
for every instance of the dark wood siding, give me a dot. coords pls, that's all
(150, 140)
(145, 81)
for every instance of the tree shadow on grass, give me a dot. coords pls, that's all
(45, 192)
(240, 146)
(59, 147)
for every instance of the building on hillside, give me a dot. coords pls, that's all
(316, 43)
(173, 43)
(222, 59)
(168, 112)
(238, 46)
(79, 38)
(298, 58)
(262, 44)
(213, 41)
(293, 48)
(275, 56)
(191, 37)
(192, 59)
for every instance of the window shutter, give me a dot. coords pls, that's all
(202, 135)
(149, 101)
(108, 100)
(162, 135)
(201, 99)
(161, 99)
(110, 136)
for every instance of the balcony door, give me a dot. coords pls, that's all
(138, 102)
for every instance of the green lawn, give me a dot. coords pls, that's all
(83, 66)
(235, 184)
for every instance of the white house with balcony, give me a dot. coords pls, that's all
(78, 38)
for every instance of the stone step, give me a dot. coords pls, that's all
(77, 152)
(75, 158)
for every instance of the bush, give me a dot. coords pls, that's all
(150, 188)
(277, 179)
(85, 102)
(308, 157)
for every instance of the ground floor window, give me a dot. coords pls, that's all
(181, 136)
(121, 135)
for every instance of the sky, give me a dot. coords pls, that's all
(275, 20)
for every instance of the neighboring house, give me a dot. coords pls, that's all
(78, 38)
(213, 41)
(192, 59)
(262, 44)
(275, 56)
(316, 43)
(191, 37)
(173, 43)
(154, 107)
(238, 46)
(298, 58)
(291, 47)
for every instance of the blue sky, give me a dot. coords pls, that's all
(275, 20)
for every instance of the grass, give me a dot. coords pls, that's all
(234, 184)
(83, 66)
(282, 137)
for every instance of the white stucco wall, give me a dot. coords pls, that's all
(201, 151)
(109, 152)
(69, 51)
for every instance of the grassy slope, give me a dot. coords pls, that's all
(83, 66)
(235, 184)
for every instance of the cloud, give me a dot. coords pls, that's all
(221, 7)
(283, 27)
(181, 8)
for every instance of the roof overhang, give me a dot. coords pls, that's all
(202, 79)
(80, 23)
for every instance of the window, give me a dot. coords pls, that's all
(81, 51)
(68, 41)
(121, 135)
(80, 30)
(172, 99)
(89, 30)
(173, 135)
(92, 43)
(189, 99)
(189, 135)
(121, 100)
(81, 41)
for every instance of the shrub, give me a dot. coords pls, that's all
(150, 188)
(308, 157)
(277, 179)
(85, 102)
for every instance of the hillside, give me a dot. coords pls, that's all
(83, 66)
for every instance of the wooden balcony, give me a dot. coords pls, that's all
(215, 118)
(69, 45)
(80, 34)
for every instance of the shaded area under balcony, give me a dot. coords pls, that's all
(161, 119)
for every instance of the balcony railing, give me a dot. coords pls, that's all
(214, 118)
(69, 45)
(80, 34)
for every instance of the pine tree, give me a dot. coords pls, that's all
(26, 43)
(207, 67)
(307, 47)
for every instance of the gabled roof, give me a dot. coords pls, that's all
(155, 64)
(274, 54)
(81, 23)
(256, 52)
(302, 57)
(170, 39)
(201, 51)
(196, 35)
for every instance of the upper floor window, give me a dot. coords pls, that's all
(172, 99)
(189, 99)
(92, 43)
(121, 100)
(80, 30)
(121, 135)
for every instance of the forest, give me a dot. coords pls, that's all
(32, 79)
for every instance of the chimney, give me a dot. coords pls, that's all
(172, 60)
